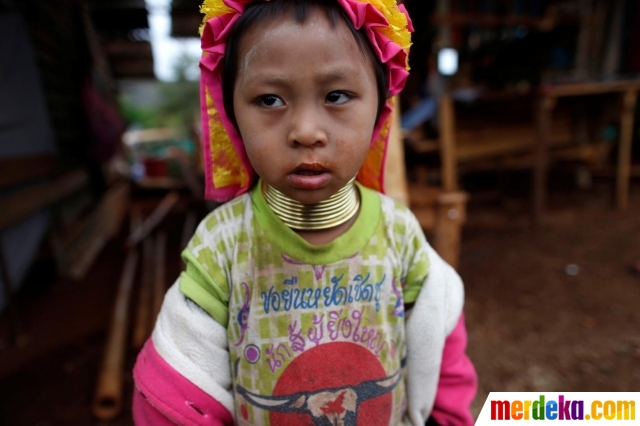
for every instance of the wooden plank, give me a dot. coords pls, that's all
(611, 171)
(590, 88)
(158, 215)
(506, 144)
(126, 48)
(17, 170)
(19, 205)
(96, 230)
(488, 21)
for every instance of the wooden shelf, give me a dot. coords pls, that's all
(589, 88)
(489, 21)
(473, 145)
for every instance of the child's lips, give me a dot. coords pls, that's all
(309, 176)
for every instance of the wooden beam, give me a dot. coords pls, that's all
(19, 205)
(128, 49)
(86, 242)
(17, 170)
(592, 88)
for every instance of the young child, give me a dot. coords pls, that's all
(309, 298)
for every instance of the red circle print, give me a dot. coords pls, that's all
(244, 412)
(330, 367)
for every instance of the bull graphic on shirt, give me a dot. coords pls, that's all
(327, 407)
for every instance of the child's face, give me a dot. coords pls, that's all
(305, 102)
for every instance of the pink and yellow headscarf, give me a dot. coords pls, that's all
(228, 172)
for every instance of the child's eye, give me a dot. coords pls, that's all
(270, 101)
(338, 98)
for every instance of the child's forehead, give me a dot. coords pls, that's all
(286, 35)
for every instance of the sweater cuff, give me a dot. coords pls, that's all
(164, 396)
(458, 381)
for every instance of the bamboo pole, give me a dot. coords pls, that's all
(159, 281)
(107, 402)
(143, 313)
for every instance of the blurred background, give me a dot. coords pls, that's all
(516, 145)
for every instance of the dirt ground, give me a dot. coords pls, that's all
(552, 308)
(556, 308)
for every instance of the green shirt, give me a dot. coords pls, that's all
(313, 330)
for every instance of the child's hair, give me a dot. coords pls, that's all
(261, 11)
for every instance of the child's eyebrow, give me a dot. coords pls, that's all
(334, 75)
(273, 80)
(321, 77)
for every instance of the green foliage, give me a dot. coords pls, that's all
(147, 118)
(179, 101)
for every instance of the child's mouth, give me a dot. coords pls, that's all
(308, 172)
(309, 176)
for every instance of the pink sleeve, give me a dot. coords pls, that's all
(164, 397)
(458, 381)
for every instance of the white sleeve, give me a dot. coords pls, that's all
(432, 318)
(195, 345)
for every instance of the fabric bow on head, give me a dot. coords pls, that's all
(228, 172)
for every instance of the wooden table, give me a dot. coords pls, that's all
(548, 97)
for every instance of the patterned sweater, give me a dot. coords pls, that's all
(292, 332)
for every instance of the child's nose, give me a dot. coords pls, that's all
(307, 130)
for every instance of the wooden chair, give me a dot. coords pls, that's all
(440, 212)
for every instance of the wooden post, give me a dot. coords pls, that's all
(450, 215)
(448, 144)
(545, 108)
(624, 151)
(395, 176)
